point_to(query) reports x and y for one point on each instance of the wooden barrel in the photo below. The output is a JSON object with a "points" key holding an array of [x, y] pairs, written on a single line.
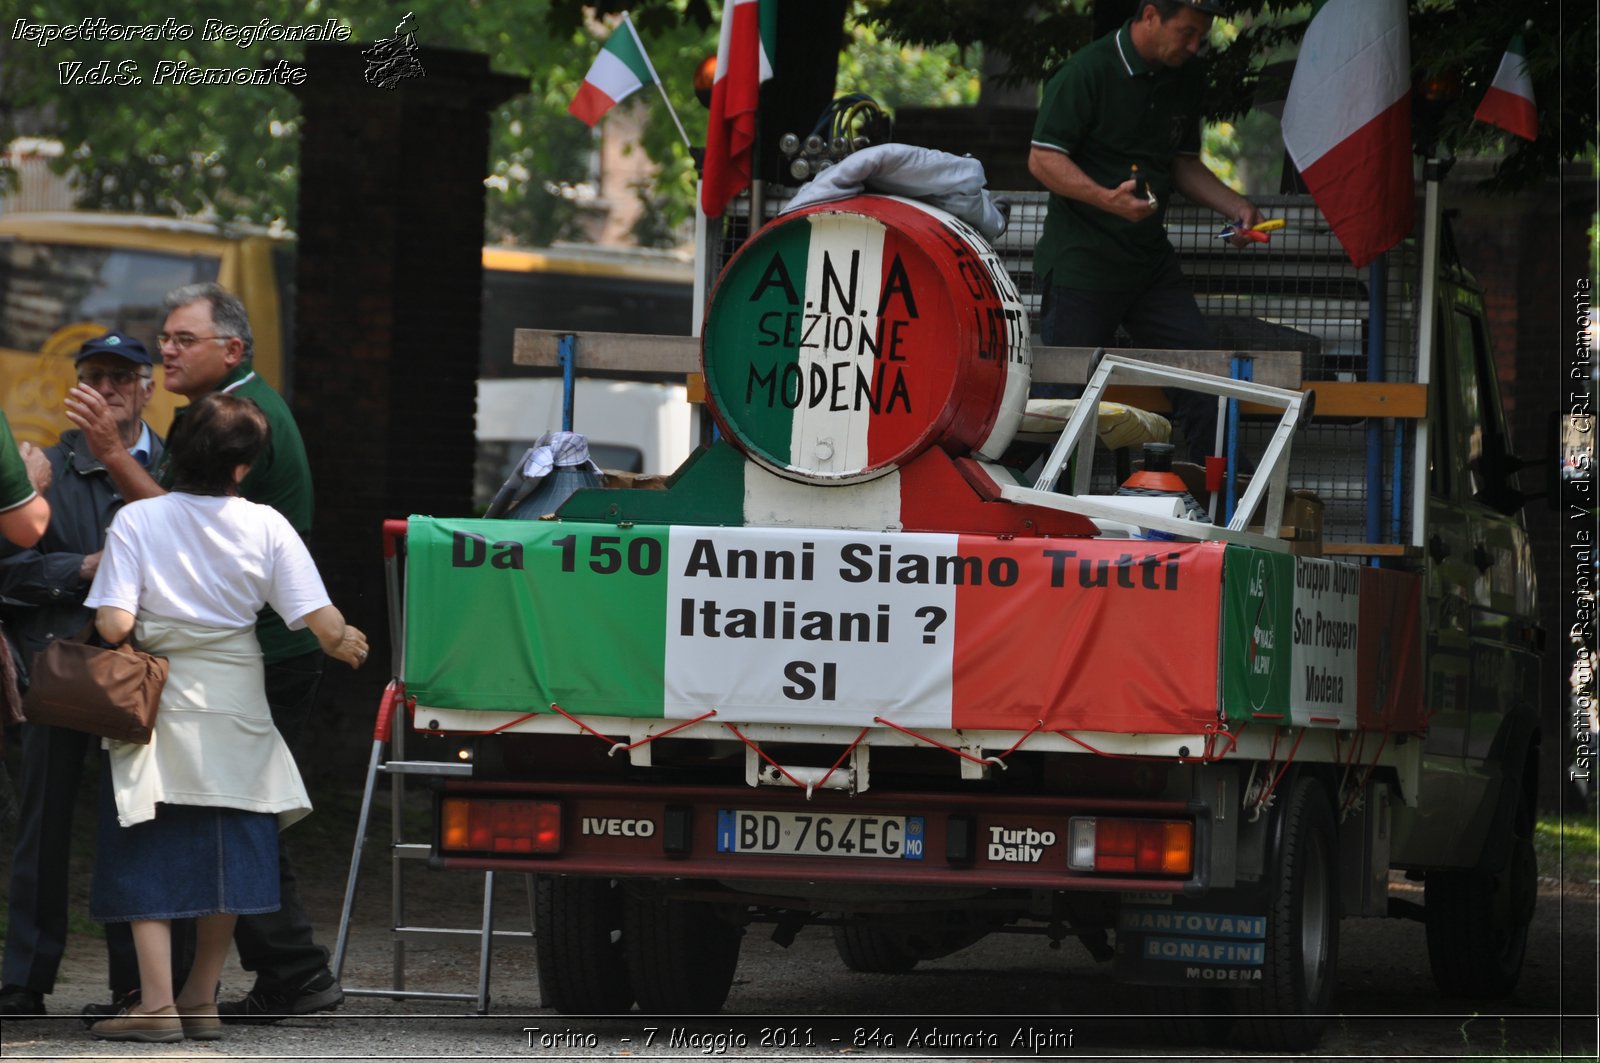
{"points": [[845, 339]]}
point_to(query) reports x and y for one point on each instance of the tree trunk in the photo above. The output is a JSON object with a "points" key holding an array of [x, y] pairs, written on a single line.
{"points": [[1109, 15], [804, 70]]}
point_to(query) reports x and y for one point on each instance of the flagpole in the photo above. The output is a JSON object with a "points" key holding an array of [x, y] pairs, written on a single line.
{"points": [[657, 79]]}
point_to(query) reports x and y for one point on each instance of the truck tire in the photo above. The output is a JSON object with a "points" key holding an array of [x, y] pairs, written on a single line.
{"points": [[1290, 1008], [1192, 1015], [869, 949], [681, 954], [1478, 920], [578, 945]]}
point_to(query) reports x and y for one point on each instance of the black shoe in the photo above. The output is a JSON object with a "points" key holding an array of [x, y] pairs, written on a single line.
{"points": [[93, 1013], [19, 1002], [321, 993]]}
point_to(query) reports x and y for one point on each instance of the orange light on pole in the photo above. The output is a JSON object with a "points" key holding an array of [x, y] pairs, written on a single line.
{"points": [[705, 75], [1442, 88]]}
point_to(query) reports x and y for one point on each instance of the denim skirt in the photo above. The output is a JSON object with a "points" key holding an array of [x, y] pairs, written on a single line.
{"points": [[190, 860]]}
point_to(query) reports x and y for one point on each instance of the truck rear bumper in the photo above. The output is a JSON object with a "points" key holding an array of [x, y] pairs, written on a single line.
{"points": [[988, 841]]}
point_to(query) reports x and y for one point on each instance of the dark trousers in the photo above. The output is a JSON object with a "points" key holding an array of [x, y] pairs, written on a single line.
{"points": [[1161, 316], [278, 946], [53, 760]]}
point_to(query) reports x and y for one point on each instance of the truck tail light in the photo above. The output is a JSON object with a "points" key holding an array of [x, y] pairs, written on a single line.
{"points": [[1143, 846], [494, 826]]}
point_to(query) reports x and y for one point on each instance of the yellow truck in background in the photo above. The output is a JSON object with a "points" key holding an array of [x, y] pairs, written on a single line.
{"points": [[67, 277]]}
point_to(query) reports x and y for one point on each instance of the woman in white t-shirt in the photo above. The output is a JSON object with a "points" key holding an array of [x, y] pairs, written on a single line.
{"points": [[194, 829]]}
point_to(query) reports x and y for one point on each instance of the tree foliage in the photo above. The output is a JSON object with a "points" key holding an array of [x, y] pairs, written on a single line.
{"points": [[1456, 46], [230, 152]]}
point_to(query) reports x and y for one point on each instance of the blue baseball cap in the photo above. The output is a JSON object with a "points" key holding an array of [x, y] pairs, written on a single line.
{"points": [[118, 343]]}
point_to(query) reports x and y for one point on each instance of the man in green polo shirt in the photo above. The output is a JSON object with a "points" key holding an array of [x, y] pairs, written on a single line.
{"points": [[24, 514], [1130, 99], [205, 347]]}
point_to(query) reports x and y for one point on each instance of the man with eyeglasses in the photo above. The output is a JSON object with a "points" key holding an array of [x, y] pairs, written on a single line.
{"points": [[205, 347], [44, 588], [1130, 99]]}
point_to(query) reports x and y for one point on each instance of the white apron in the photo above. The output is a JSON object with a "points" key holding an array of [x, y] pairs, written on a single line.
{"points": [[214, 741]]}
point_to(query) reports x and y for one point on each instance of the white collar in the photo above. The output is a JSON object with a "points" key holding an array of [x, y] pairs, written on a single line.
{"points": [[242, 380]]}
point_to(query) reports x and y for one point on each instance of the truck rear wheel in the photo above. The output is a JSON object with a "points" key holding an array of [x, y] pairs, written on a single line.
{"points": [[681, 955], [1192, 1015], [1291, 1006], [870, 949], [1478, 921], [578, 945]]}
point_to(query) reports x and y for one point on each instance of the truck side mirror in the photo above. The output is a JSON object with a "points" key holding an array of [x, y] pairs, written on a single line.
{"points": [[1497, 468]]}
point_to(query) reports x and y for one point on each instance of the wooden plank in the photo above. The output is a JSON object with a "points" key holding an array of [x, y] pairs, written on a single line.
{"points": [[614, 351], [1371, 549], [623, 352], [1336, 398], [1141, 396], [1070, 365]]}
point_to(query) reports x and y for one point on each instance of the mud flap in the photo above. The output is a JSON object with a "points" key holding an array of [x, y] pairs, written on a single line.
{"points": [[1176, 941]]}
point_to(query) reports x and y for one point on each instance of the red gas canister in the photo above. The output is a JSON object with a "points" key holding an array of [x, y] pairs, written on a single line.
{"points": [[1156, 479]]}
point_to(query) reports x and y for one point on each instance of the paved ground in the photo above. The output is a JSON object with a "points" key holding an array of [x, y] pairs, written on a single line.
{"points": [[805, 1004]]}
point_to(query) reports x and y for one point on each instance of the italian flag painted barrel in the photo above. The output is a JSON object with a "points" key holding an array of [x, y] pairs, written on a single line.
{"points": [[845, 339]]}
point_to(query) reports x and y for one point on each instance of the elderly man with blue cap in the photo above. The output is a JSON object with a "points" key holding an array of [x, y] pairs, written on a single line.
{"points": [[42, 589]]}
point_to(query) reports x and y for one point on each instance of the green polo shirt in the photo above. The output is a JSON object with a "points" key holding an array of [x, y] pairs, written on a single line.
{"points": [[15, 487], [1109, 111], [280, 478]]}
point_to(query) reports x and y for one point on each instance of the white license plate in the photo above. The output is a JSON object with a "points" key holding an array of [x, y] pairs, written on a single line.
{"points": [[820, 834]]}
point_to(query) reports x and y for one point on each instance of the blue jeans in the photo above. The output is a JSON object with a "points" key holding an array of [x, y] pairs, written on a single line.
{"points": [[1160, 316]]}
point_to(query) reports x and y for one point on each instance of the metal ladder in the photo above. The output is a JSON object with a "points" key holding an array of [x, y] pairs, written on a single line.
{"points": [[389, 732]]}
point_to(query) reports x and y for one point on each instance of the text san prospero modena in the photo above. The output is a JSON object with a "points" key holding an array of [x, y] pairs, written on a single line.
{"points": [[176, 71]]}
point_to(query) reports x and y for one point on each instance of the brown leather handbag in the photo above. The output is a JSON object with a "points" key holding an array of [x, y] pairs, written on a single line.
{"points": [[111, 693]]}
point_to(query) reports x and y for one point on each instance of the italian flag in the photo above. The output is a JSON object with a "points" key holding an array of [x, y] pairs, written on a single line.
{"points": [[744, 61], [618, 71], [1347, 122], [1509, 103]]}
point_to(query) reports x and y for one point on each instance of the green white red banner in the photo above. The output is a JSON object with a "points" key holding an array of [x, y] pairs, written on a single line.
{"points": [[919, 630], [813, 626]]}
